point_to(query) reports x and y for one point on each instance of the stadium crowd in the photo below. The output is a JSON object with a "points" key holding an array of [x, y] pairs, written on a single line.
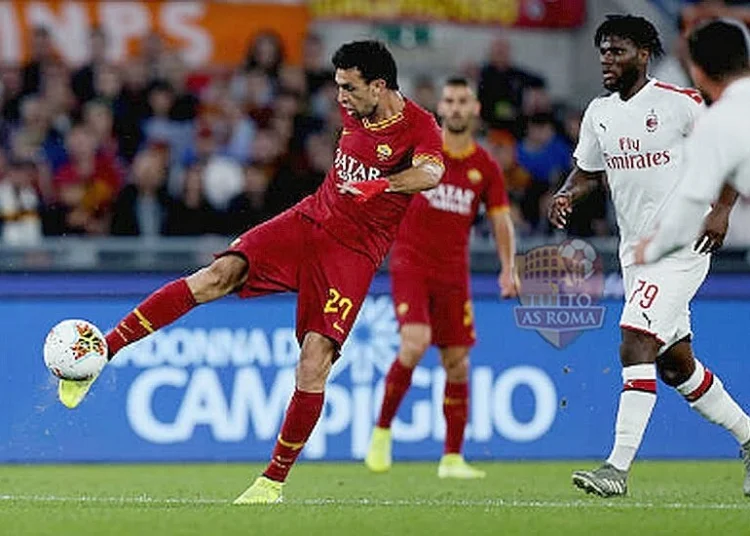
{"points": [[150, 148]]}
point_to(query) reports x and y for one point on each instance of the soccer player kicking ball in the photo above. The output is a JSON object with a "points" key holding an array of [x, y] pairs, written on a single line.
{"points": [[636, 137], [326, 248], [430, 274]]}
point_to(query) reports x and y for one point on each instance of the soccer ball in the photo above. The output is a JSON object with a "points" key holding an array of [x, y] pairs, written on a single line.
{"points": [[579, 258], [75, 350]]}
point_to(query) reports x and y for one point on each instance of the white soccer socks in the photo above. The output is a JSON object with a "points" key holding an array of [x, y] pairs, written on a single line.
{"points": [[636, 404]]}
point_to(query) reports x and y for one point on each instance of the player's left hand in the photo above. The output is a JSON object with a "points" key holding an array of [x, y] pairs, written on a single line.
{"points": [[714, 230], [509, 284], [363, 191]]}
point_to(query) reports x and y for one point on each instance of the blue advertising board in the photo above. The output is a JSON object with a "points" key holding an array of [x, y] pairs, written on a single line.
{"points": [[214, 386]]}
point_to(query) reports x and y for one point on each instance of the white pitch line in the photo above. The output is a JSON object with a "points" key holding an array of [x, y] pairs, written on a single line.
{"points": [[488, 503]]}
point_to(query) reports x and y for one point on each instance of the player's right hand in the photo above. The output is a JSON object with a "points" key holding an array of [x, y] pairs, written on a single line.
{"points": [[560, 209], [364, 190]]}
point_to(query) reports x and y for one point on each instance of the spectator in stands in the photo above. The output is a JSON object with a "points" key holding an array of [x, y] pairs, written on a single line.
{"points": [[35, 138], [190, 214], [571, 125], [60, 101], [267, 151], [546, 156], [20, 203], [41, 55], [141, 208], [503, 147], [97, 116], [107, 83], [173, 70], [248, 208], [239, 129], [10, 94], [203, 148], [85, 187], [82, 81], [293, 183], [292, 79], [266, 53], [131, 107], [316, 65], [160, 125], [152, 50], [502, 86]]}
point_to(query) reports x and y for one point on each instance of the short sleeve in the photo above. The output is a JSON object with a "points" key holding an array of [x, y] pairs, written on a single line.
{"points": [[428, 145], [588, 153], [694, 108]]}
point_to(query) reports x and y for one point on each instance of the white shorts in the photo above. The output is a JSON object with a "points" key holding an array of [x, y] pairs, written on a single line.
{"points": [[657, 297]]}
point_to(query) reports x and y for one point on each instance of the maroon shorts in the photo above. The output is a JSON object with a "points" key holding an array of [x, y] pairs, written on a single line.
{"points": [[445, 307], [292, 253]]}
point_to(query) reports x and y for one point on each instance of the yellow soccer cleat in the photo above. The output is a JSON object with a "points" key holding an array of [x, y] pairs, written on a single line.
{"points": [[378, 459], [71, 392], [263, 491], [454, 466]]}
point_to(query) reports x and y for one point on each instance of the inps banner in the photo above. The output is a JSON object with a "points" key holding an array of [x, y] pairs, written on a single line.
{"points": [[215, 385]]}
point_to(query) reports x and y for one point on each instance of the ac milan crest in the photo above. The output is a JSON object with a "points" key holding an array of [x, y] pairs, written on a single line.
{"points": [[652, 122]]}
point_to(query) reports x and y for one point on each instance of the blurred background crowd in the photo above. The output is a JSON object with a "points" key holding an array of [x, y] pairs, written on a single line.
{"points": [[151, 147]]}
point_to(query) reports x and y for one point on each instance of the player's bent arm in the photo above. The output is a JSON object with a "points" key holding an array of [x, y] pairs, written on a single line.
{"points": [[581, 183], [424, 175]]}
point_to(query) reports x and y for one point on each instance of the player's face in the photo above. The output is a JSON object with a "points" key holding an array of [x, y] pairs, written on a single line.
{"points": [[457, 108], [358, 97], [622, 63]]}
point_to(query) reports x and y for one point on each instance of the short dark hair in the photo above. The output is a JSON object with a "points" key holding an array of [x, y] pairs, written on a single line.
{"points": [[458, 80], [637, 29], [371, 58], [720, 48]]}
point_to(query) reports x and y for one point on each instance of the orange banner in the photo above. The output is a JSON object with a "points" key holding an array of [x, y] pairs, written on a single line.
{"points": [[206, 33]]}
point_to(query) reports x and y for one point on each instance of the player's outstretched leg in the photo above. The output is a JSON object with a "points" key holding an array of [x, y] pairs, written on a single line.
{"points": [[705, 393], [455, 361], [415, 339], [638, 355], [301, 416], [161, 308]]}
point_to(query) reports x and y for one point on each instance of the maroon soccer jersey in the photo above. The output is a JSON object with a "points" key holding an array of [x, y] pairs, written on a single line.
{"points": [[434, 235], [369, 151]]}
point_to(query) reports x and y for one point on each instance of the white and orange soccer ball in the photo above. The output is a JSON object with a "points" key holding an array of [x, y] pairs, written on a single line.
{"points": [[75, 350]]}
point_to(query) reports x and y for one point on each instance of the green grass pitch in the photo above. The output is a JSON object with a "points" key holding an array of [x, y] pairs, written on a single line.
{"points": [[344, 499]]}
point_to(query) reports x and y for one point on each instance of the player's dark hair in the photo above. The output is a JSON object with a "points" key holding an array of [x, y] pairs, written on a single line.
{"points": [[720, 48], [637, 29], [371, 58], [461, 81]]}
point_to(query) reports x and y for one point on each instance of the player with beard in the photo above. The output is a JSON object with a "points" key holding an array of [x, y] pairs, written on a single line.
{"points": [[326, 248], [635, 137], [430, 273]]}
